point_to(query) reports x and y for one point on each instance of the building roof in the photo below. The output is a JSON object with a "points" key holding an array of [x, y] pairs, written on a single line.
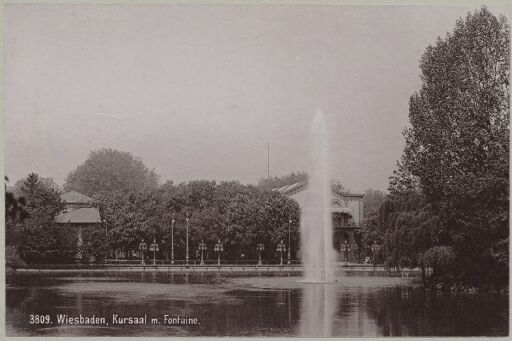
{"points": [[291, 189], [73, 197], [299, 186], [85, 215]]}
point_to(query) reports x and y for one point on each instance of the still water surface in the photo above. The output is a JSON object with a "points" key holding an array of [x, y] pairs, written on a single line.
{"points": [[358, 304]]}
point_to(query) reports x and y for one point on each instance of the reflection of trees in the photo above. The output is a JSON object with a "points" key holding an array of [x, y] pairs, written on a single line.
{"points": [[261, 312], [412, 311]]}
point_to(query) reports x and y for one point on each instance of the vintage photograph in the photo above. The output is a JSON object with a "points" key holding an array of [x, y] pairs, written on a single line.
{"points": [[256, 170]]}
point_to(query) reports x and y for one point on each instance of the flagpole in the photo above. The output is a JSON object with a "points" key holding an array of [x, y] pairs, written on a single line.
{"points": [[268, 160]]}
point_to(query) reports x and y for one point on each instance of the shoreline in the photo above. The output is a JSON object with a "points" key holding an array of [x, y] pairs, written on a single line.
{"points": [[208, 268]]}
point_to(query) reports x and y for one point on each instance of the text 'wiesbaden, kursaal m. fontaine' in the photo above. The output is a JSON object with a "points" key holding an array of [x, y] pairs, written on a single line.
{"points": [[116, 319]]}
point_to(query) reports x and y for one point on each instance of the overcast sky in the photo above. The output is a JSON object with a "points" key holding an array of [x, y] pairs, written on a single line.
{"points": [[198, 91]]}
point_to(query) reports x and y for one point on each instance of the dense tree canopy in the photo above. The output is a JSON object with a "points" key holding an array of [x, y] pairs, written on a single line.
{"points": [[14, 205], [457, 148], [108, 170], [372, 200], [36, 237], [405, 227], [239, 216], [49, 183], [459, 135]]}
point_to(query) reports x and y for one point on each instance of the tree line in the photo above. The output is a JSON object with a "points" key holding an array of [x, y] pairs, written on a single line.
{"points": [[134, 206], [239, 216]]}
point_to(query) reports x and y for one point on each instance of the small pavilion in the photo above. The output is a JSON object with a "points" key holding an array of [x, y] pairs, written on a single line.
{"points": [[78, 214]]}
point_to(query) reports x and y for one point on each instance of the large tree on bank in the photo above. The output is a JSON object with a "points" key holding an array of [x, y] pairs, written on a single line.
{"points": [[108, 170], [457, 147], [36, 238]]}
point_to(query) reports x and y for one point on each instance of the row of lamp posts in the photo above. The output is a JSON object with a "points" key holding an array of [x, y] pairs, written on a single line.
{"points": [[220, 248], [217, 248], [143, 246]]}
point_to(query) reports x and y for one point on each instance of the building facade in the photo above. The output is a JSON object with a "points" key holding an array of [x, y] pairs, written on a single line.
{"points": [[347, 218]]}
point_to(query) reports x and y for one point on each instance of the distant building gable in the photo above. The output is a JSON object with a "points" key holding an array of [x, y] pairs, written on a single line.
{"points": [[344, 203], [74, 197], [77, 210], [290, 190]]}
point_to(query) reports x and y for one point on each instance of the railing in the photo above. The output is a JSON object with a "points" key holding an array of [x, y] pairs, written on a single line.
{"points": [[352, 225], [296, 267], [62, 266], [197, 262], [159, 263]]}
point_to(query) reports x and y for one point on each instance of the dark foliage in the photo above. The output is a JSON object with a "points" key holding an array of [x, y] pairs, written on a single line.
{"points": [[109, 170], [456, 158]]}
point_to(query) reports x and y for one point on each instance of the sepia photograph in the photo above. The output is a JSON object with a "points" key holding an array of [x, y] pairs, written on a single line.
{"points": [[256, 170]]}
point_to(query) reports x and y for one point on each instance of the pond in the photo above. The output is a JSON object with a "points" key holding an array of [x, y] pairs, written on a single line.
{"points": [[215, 304]]}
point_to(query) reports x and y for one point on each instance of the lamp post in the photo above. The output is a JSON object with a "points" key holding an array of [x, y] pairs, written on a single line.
{"points": [[186, 256], [106, 239], [375, 248], [202, 247], [164, 249], [154, 247], [172, 239], [281, 248], [289, 240], [346, 249], [218, 248], [142, 248], [260, 247]]}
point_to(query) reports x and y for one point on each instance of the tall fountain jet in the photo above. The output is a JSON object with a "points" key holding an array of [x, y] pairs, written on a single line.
{"points": [[316, 224]]}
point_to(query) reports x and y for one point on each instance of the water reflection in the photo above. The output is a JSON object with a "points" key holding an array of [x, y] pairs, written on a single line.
{"points": [[255, 305], [317, 309], [406, 311]]}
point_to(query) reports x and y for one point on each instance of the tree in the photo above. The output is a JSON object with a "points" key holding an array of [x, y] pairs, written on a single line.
{"points": [[261, 217], [405, 227], [94, 244], [457, 148], [372, 199], [14, 213], [14, 206], [111, 170], [37, 238], [239, 216], [46, 182], [439, 258], [125, 217]]}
